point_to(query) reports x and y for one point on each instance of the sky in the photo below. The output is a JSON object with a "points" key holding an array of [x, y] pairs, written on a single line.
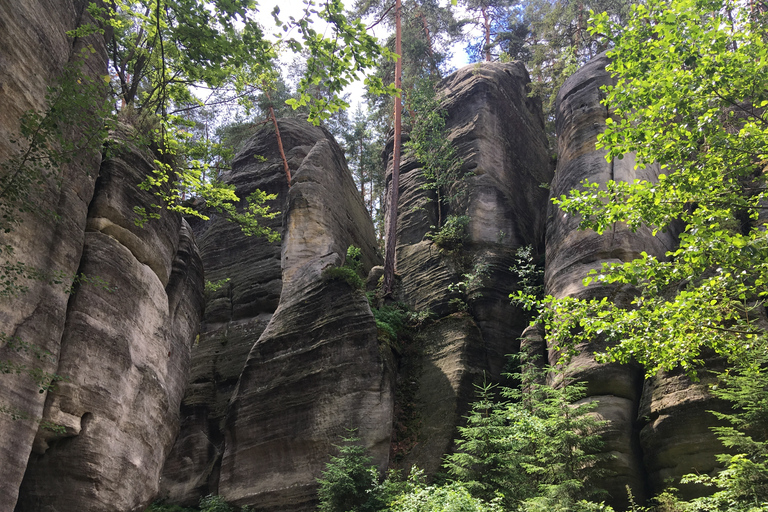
{"points": [[295, 8]]}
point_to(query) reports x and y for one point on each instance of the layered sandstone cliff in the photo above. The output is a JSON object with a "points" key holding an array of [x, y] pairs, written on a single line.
{"points": [[659, 428], [35, 52], [498, 133], [288, 358], [125, 353], [119, 337]]}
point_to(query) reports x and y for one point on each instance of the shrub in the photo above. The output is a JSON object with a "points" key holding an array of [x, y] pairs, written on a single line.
{"points": [[452, 235], [351, 272], [349, 481], [535, 448]]}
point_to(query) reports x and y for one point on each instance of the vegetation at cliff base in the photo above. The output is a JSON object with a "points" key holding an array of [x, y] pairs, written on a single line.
{"points": [[526, 448], [690, 96]]}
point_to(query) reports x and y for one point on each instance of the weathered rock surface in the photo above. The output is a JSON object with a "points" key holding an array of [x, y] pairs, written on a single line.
{"points": [[451, 362], [644, 440], [571, 254], [35, 50], [260, 432], [498, 132], [247, 271], [317, 369], [675, 436], [125, 353]]}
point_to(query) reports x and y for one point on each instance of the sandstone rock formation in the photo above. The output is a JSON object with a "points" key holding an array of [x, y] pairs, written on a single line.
{"points": [[35, 51], [288, 356], [125, 353], [648, 421], [247, 272], [314, 366], [498, 132]]}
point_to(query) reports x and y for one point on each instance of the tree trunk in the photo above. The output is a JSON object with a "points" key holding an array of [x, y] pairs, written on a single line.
{"points": [[487, 26], [280, 143], [360, 170], [391, 223]]}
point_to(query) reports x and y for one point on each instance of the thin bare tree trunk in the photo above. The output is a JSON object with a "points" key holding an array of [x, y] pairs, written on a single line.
{"points": [[360, 167], [487, 25], [391, 241], [280, 144]]}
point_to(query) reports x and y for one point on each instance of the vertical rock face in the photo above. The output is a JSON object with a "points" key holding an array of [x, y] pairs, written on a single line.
{"points": [[675, 434], [644, 424], [314, 366], [125, 353], [247, 272], [35, 50], [498, 132], [317, 369], [571, 254]]}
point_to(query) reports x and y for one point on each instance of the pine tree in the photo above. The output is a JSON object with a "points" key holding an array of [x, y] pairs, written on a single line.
{"points": [[536, 447], [349, 480]]}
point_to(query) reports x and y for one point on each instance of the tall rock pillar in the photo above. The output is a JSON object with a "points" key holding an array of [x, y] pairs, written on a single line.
{"points": [[48, 237], [125, 353], [646, 434], [498, 133]]}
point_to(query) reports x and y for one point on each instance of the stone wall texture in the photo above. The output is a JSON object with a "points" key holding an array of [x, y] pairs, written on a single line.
{"points": [[288, 359], [125, 353], [35, 51], [498, 133], [120, 337], [659, 427]]}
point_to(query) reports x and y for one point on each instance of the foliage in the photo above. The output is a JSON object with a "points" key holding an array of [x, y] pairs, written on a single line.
{"points": [[742, 484], [349, 481], [536, 448], [490, 16], [45, 381], [47, 142], [428, 30], [550, 36], [351, 272], [440, 165], [162, 507], [560, 42], [209, 503], [214, 286], [335, 60], [530, 281], [451, 235], [345, 274], [354, 260], [160, 49], [690, 96], [363, 140], [391, 320], [468, 286], [63, 136], [451, 497]]}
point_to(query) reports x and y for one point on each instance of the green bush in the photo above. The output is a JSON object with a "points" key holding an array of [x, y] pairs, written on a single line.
{"points": [[351, 272], [214, 286], [453, 497], [349, 481], [345, 274], [533, 447], [210, 503], [391, 320], [451, 235], [161, 507]]}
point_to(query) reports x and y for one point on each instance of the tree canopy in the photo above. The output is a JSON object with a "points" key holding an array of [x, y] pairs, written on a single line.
{"points": [[691, 95]]}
